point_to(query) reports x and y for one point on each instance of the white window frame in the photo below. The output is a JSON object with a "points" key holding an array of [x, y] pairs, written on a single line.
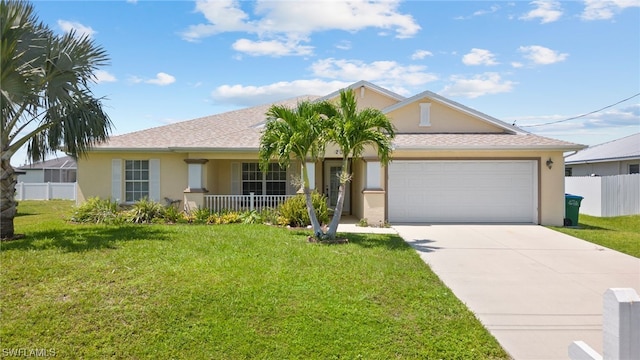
{"points": [[142, 179], [262, 178]]}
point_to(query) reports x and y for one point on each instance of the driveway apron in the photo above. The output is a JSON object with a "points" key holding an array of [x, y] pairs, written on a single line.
{"points": [[536, 290]]}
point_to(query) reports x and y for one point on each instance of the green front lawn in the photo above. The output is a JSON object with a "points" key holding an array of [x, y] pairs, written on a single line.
{"points": [[223, 291], [621, 233]]}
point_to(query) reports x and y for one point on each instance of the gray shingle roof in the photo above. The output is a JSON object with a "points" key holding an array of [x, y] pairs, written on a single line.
{"points": [[241, 129], [621, 149], [501, 141], [64, 162]]}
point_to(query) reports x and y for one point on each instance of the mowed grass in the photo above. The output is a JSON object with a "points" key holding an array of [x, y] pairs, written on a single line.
{"points": [[224, 292], [621, 233]]}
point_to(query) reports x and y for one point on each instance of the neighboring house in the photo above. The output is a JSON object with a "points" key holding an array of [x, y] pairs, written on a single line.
{"points": [[617, 157], [59, 170], [450, 164]]}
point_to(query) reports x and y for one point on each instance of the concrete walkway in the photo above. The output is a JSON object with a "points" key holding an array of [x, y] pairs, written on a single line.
{"points": [[536, 290]]}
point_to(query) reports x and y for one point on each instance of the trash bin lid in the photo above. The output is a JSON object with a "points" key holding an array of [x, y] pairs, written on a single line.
{"points": [[571, 196]]}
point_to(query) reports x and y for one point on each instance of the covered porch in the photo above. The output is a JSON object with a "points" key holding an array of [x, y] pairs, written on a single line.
{"points": [[239, 185]]}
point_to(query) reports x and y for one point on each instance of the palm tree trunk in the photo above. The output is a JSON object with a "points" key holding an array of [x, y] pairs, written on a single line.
{"points": [[8, 204], [337, 213], [317, 230]]}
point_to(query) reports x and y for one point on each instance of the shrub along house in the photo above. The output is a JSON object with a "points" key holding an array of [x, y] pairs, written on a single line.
{"points": [[450, 164]]}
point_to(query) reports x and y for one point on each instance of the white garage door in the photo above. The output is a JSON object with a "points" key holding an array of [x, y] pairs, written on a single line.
{"points": [[463, 191]]}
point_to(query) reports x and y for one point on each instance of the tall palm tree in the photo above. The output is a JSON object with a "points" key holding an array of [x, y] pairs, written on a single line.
{"points": [[352, 130], [295, 131], [45, 100]]}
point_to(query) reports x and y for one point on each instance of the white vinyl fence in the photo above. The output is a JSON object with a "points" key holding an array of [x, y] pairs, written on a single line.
{"points": [[620, 328], [615, 195], [45, 191]]}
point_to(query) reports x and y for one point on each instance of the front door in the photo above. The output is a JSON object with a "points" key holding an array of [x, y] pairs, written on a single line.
{"points": [[332, 169]]}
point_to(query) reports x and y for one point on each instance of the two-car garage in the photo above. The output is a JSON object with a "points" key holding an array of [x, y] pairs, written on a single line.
{"points": [[497, 191]]}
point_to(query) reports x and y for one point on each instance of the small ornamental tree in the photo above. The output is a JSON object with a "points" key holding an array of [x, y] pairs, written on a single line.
{"points": [[352, 130], [295, 132]]}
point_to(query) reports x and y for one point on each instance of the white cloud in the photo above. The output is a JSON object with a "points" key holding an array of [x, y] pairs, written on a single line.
{"points": [[300, 18], [477, 85], [251, 95], [421, 54], [541, 55], [329, 75], [344, 45], [605, 9], [271, 48], [516, 64], [546, 10], [104, 76], [68, 26], [624, 120], [491, 10], [132, 1], [388, 74], [479, 57], [162, 79]]}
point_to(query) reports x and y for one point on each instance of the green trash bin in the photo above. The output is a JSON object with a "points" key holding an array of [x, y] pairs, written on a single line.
{"points": [[571, 209]]}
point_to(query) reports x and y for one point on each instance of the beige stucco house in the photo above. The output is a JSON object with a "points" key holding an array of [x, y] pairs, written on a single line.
{"points": [[450, 164]]}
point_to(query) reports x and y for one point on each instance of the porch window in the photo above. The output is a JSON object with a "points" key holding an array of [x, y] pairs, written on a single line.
{"points": [[634, 168], [136, 180], [274, 182]]}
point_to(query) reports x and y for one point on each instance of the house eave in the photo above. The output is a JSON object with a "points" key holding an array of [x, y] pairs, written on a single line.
{"points": [[214, 150], [176, 149], [485, 148], [129, 149], [593, 161]]}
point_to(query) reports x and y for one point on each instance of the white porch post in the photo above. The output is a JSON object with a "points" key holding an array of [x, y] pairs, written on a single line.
{"points": [[373, 194], [311, 171], [196, 174], [194, 193], [373, 175]]}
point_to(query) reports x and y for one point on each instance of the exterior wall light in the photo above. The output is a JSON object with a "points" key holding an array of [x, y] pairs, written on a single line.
{"points": [[549, 163]]}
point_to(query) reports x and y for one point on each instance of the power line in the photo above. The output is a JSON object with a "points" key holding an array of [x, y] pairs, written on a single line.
{"points": [[583, 115]]}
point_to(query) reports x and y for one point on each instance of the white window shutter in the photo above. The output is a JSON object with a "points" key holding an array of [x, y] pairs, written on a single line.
{"points": [[154, 179], [116, 180], [425, 114], [236, 188]]}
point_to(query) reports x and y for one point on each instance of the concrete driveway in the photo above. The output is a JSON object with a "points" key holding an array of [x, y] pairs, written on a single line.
{"points": [[536, 290]]}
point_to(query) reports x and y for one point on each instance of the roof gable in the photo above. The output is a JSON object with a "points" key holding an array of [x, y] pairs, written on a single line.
{"points": [[369, 95], [498, 125]]}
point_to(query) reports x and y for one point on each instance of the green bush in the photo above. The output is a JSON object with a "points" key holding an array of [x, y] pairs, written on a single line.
{"points": [[269, 216], [230, 217], [97, 211], [294, 210], [171, 214], [144, 211], [199, 216], [251, 217]]}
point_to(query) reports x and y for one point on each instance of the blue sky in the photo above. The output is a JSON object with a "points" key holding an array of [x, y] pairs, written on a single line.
{"points": [[529, 62]]}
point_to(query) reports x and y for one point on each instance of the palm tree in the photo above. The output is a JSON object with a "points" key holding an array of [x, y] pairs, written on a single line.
{"points": [[45, 100], [352, 130], [295, 131]]}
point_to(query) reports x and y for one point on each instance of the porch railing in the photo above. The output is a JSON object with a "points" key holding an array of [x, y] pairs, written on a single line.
{"points": [[218, 203]]}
